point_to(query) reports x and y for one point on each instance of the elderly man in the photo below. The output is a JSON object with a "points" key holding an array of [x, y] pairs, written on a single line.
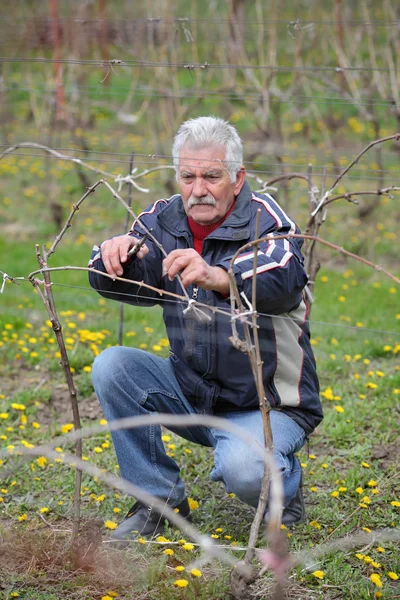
{"points": [[200, 230]]}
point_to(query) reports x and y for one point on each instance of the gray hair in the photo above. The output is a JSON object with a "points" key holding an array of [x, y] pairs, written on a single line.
{"points": [[210, 131]]}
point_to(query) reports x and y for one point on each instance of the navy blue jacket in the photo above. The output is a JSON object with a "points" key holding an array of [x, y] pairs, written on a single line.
{"points": [[213, 375]]}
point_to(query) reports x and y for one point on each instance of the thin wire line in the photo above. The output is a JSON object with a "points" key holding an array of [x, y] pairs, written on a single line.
{"points": [[296, 151], [253, 171], [194, 94], [228, 310], [208, 20], [170, 157], [190, 66]]}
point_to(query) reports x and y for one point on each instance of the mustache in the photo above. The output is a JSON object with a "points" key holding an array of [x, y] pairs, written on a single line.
{"points": [[208, 200]]}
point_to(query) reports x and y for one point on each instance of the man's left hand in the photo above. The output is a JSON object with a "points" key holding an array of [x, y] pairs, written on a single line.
{"points": [[193, 269]]}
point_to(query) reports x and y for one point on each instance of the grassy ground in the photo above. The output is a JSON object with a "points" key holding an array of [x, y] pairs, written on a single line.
{"points": [[351, 470], [351, 467]]}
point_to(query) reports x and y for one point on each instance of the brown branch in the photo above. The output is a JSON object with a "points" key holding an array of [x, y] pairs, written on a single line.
{"points": [[121, 304], [56, 154], [321, 241], [244, 574], [287, 176], [75, 208], [213, 309], [348, 196], [131, 489], [48, 301], [131, 178], [150, 235], [396, 137]]}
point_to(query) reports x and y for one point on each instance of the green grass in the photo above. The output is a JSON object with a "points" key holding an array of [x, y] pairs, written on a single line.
{"points": [[351, 356], [355, 323]]}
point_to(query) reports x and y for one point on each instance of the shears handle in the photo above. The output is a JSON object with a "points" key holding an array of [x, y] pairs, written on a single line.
{"points": [[135, 249]]}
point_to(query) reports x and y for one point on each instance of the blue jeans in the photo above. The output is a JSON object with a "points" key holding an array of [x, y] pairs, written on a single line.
{"points": [[131, 382]]}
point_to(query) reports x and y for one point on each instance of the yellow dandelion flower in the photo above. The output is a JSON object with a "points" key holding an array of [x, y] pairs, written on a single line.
{"points": [[181, 583], [319, 574], [335, 494], [67, 427], [376, 579], [339, 409], [110, 524], [393, 575], [193, 504], [168, 552], [187, 546], [395, 503], [44, 509], [180, 568], [365, 465], [22, 517], [380, 549], [196, 573], [371, 385]]}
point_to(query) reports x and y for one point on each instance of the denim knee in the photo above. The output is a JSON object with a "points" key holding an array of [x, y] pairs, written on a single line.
{"points": [[107, 366], [241, 475]]}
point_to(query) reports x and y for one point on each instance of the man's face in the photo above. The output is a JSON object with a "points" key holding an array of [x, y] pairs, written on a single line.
{"points": [[205, 184]]}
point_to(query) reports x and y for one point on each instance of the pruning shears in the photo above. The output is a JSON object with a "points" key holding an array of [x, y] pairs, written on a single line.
{"points": [[135, 249]]}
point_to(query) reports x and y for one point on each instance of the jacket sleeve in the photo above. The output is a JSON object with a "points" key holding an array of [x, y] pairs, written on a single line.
{"points": [[147, 270], [280, 264]]}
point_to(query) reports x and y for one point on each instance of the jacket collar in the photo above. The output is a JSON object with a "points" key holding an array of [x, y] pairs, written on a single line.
{"points": [[174, 219]]}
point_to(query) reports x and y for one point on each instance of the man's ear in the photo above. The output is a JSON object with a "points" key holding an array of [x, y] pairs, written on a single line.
{"points": [[240, 177]]}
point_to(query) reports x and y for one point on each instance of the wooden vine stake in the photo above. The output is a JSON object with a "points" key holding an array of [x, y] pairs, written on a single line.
{"points": [[47, 298], [244, 574]]}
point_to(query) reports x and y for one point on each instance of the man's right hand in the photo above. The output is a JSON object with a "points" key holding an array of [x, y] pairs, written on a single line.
{"points": [[114, 253]]}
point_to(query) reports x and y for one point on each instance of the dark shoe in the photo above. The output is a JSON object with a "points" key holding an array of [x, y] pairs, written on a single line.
{"points": [[295, 512], [145, 521]]}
